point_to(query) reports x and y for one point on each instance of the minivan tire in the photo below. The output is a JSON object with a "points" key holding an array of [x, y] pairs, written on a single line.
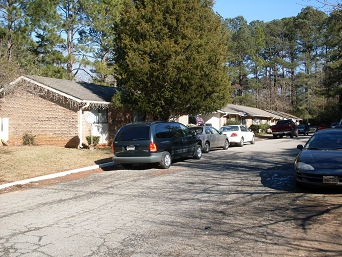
{"points": [[198, 152], [166, 160]]}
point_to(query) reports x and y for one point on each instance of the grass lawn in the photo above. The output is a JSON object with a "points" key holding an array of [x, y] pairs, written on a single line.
{"points": [[23, 162]]}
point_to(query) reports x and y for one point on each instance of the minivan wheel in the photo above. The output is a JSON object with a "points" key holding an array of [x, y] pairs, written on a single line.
{"points": [[127, 166], [206, 147], [198, 152], [166, 160]]}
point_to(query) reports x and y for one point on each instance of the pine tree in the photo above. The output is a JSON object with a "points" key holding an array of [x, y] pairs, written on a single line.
{"points": [[170, 57]]}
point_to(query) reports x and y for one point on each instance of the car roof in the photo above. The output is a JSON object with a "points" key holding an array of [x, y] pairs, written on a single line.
{"points": [[148, 123], [330, 131]]}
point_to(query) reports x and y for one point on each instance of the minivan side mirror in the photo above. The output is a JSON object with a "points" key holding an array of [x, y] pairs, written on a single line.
{"points": [[300, 147]]}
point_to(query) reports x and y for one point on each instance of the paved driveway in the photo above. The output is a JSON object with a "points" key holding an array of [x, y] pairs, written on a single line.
{"points": [[238, 202]]}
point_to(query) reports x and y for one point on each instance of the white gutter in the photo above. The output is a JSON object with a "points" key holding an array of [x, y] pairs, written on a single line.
{"points": [[80, 118]]}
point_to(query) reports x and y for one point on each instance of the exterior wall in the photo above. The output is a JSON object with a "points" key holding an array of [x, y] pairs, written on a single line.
{"points": [[3, 129], [52, 123], [233, 117], [116, 119], [214, 119], [95, 129], [248, 121], [183, 119]]}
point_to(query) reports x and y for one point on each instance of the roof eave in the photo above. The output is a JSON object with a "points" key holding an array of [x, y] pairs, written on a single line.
{"points": [[49, 88]]}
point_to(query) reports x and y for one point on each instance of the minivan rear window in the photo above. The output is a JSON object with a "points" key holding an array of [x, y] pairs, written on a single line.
{"points": [[132, 133]]}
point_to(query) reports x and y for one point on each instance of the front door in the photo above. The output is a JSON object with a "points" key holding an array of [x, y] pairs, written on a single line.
{"points": [[100, 126]]}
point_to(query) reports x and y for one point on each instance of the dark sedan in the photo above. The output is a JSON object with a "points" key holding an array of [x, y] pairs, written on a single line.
{"points": [[319, 162]]}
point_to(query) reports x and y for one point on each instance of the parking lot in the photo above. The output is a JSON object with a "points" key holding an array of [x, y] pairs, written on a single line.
{"points": [[236, 202]]}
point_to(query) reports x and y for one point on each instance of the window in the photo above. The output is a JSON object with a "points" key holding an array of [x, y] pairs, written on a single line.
{"points": [[133, 133], [185, 130], [101, 115], [163, 131], [207, 130], [214, 131], [243, 128]]}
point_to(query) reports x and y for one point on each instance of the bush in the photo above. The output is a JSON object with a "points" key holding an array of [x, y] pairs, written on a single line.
{"points": [[28, 139], [262, 128], [96, 140], [233, 122]]}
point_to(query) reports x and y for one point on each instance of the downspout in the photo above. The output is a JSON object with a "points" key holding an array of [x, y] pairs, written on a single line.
{"points": [[80, 123]]}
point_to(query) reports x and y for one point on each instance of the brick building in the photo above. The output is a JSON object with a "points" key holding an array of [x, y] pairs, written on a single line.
{"points": [[58, 112]]}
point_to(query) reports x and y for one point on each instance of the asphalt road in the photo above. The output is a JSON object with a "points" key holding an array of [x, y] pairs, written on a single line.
{"points": [[238, 202]]}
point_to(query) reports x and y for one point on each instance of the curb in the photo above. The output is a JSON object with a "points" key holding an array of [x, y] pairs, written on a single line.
{"points": [[56, 175]]}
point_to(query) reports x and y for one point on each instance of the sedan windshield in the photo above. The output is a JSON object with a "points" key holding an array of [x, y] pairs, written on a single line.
{"points": [[325, 141]]}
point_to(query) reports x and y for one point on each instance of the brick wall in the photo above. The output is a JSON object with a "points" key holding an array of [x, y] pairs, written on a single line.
{"points": [[116, 119], [52, 122]]}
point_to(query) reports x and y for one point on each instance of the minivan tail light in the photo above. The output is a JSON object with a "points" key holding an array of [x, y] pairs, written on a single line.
{"points": [[233, 135], [153, 147]]}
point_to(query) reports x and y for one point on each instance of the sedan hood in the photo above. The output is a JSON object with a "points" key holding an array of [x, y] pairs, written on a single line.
{"points": [[322, 159]]}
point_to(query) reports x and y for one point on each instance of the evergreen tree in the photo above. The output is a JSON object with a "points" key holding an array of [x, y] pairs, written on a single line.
{"points": [[310, 24], [15, 40], [99, 36], [57, 25], [170, 57], [239, 45], [333, 68]]}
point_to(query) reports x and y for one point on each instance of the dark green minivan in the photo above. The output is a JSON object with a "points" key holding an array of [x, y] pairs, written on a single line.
{"points": [[154, 142]]}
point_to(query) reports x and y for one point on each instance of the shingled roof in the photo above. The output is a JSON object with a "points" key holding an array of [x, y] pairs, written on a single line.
{"points": [[80, 92], [247, 111]]}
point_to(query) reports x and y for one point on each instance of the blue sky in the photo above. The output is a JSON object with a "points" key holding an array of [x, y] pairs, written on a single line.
{"points": [[264, 10]]}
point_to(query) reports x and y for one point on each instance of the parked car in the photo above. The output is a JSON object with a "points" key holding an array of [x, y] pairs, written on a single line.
{"points": [[154, 142], [303, 129], [322, 126], [319, 162], [211, 138], [238, 134], [313, 129], [334, 124], [284, 128]]}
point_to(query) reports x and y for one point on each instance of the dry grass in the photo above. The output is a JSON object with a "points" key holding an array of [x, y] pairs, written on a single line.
{"points": [[23, 162]]}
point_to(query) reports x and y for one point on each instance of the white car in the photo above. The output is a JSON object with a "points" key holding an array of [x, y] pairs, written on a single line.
{"points": [[238, 134]]}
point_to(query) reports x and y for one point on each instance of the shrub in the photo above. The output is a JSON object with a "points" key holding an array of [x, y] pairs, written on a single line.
{"points": [[28, 139], [233, 122], [255, 128], [262, 128], [96, 140]]}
